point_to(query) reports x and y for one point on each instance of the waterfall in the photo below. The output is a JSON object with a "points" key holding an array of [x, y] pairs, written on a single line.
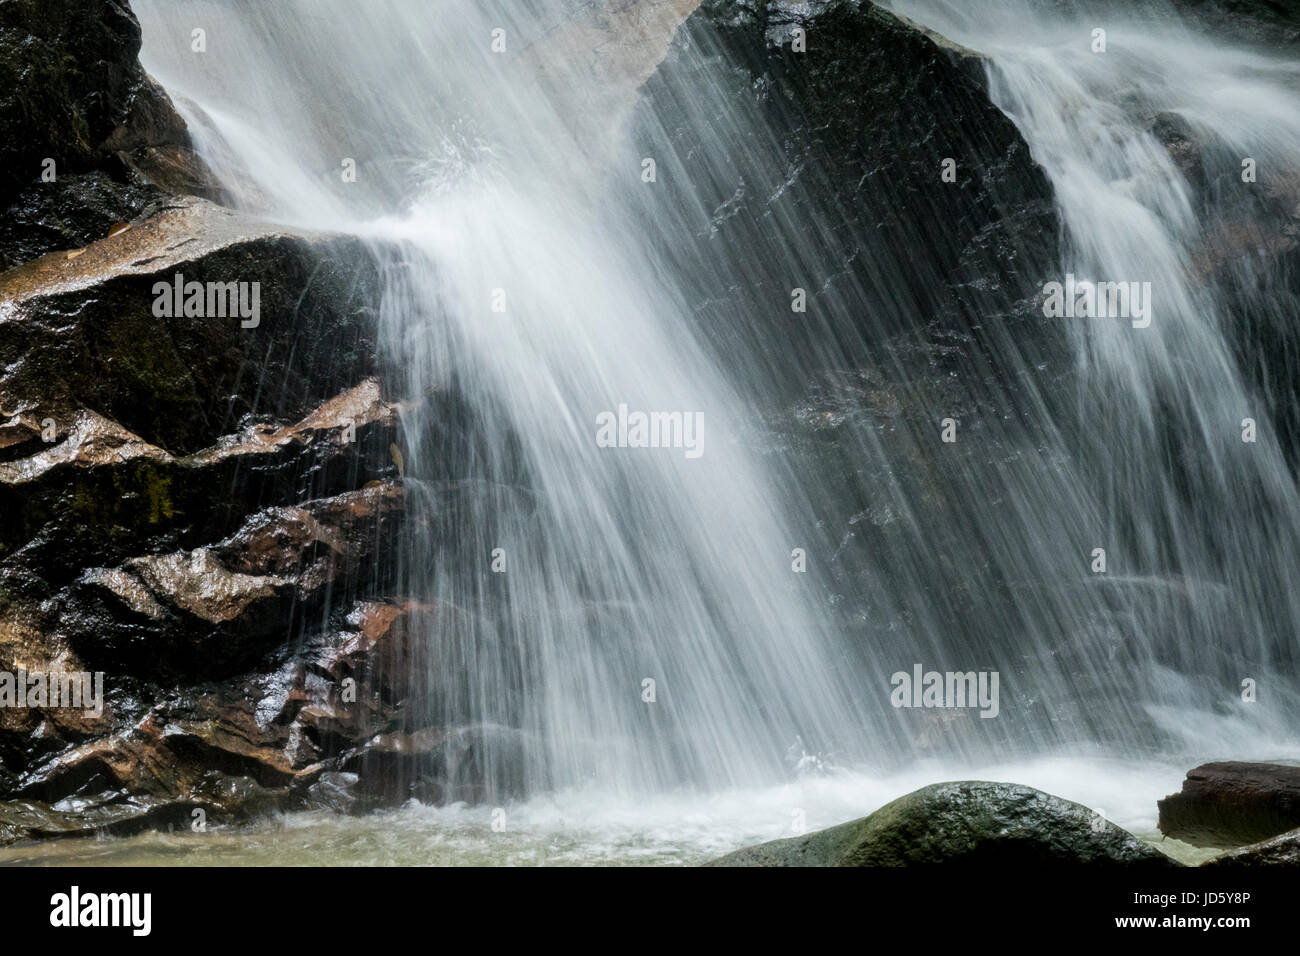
{"points": [[1204, 526], [636, 616], [631, 610]]}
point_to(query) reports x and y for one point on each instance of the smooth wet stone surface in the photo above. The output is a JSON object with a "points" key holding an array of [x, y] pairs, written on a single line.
{"points": [[972, 823]]}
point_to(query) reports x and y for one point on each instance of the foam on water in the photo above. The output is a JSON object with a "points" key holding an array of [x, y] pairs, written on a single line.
{"points": [[603, 828]]}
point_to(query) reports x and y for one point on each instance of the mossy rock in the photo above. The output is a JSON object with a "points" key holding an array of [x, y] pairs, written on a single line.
{"points": [[972, 823]]}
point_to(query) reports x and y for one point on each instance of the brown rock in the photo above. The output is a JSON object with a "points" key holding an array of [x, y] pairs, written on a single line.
{"points": [[80, 333], [386, 651], [90, 440], [101, 489], [1232, 804], [217, 608]]}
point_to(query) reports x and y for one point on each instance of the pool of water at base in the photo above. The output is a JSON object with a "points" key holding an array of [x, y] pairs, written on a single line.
{"points": [[593, 828]]}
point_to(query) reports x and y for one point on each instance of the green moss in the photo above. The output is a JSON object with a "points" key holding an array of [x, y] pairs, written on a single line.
{"points": [[971, 822], [158, 485], [140, 494]]}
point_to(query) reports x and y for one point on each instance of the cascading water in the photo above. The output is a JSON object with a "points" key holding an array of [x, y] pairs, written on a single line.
{"points": [[1207, 525], [515, 284], [532, 286]]}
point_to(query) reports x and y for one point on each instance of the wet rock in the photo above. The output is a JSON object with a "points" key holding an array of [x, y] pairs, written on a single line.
{"points": [[205, 507], [73, 86], [218, 608], [233, 750], [1271, 23], [75, 210], [440, 765], [970, 823], [175, 735], [155, 774], [29, 735], [73, 93], [338, 792], [111, 815], [1181, 142], [1250, 252], [1232, 804], [1281, 850], [383, 648], [91, 441], [605, 54], [110, 491], [80, 331], [824, 150], [1248, 243], [1263, 23], [198, 554], [75, 500], [843, 142], [368, 677]]}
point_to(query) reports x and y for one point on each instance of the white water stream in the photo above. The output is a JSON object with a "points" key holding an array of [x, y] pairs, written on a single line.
{"points": [[480, 183]]}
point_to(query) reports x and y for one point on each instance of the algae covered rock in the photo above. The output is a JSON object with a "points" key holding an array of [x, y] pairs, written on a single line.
{"points": [[973, 822]]}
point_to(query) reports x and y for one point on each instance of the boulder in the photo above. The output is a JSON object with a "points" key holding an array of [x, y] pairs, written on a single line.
{"points": [[1231, 804], [842, 139], [967, 823], [814, 160]]}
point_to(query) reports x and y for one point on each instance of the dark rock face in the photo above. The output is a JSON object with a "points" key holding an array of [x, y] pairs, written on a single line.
{"points": [[1248, 247], [826, 153], [1232, 804], [817, 138], [73, 81], [209, 514], [1273, 23], [125, 427], [971, 823], [1263, 23], [204, 505], [67, 213], [72, 92], [181, 382], [1281, 850], [219, 608]]}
